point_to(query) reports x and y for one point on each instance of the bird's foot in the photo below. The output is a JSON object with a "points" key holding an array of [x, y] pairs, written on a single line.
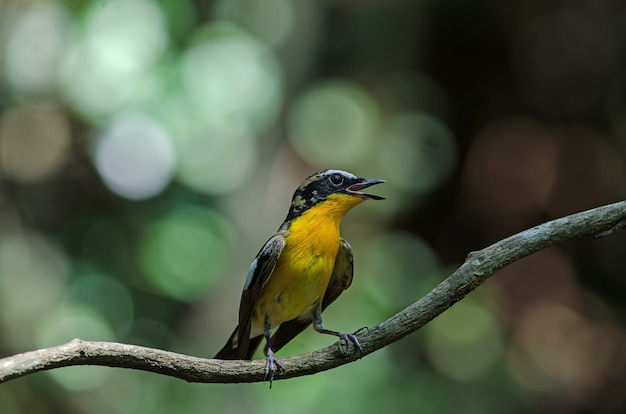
{"points": [[347, 338], [272, 365]]}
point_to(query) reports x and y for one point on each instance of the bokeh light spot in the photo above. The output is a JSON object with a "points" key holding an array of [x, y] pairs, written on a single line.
{"points": [[34, 143], [128, 34], [418, 153], [110, 67], [399, 268], [217, 158], [35, 47], [465, 341], [334, 123], [233, 76], [140, 395], [69, 322], [135, 157], [33, 273], [107, 296], [186, 250], [556, 348], [513, 162]]}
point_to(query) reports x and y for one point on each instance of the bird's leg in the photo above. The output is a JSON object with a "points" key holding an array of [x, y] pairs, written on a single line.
{"points": [[318, 325], [271, 363]]}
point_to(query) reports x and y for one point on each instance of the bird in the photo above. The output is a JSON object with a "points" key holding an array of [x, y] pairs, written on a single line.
{"points": [[300, 270]]}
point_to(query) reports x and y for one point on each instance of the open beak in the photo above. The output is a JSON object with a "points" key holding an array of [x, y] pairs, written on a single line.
{"points": [[364, 183]]}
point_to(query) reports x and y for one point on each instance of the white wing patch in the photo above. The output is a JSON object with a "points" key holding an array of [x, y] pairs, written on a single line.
{"points": [[250, 274]]}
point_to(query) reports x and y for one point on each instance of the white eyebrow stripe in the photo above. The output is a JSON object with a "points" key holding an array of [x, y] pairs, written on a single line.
{"points": [[344, 173]]}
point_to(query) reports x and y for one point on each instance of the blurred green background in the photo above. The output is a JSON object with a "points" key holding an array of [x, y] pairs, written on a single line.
{"points": [[149, 147]]}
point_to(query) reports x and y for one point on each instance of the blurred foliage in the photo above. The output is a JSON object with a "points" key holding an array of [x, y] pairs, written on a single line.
{"points": [[149, 147]]}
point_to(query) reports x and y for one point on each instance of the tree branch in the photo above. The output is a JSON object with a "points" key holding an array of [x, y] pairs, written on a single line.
{"points": [[478, 267]]}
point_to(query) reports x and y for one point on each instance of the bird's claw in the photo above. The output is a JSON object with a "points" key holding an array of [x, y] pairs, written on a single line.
{"points": [[271, 366], [347, 338]]}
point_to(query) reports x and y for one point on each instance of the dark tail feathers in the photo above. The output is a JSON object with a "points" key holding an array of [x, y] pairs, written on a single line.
{"points": [[232, 351]]}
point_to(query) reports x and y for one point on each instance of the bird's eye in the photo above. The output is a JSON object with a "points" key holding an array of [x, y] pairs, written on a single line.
{"points": [[336, 179]]}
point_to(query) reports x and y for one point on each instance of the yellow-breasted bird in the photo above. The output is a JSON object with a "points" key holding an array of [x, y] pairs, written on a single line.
{"points": [[300, 270]]}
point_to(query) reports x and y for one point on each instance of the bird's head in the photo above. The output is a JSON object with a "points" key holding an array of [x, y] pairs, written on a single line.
{"points": [[339, 187]]}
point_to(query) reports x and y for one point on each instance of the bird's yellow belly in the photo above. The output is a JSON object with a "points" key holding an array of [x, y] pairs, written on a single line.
{"points": [[292, 291]]}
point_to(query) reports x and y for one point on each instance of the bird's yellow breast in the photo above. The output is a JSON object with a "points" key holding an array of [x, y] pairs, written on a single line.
{"points": [[305, 266]]}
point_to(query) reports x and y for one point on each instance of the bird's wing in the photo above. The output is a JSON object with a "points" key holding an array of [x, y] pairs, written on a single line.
{"points": [[340, 280], [260, 270]]}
